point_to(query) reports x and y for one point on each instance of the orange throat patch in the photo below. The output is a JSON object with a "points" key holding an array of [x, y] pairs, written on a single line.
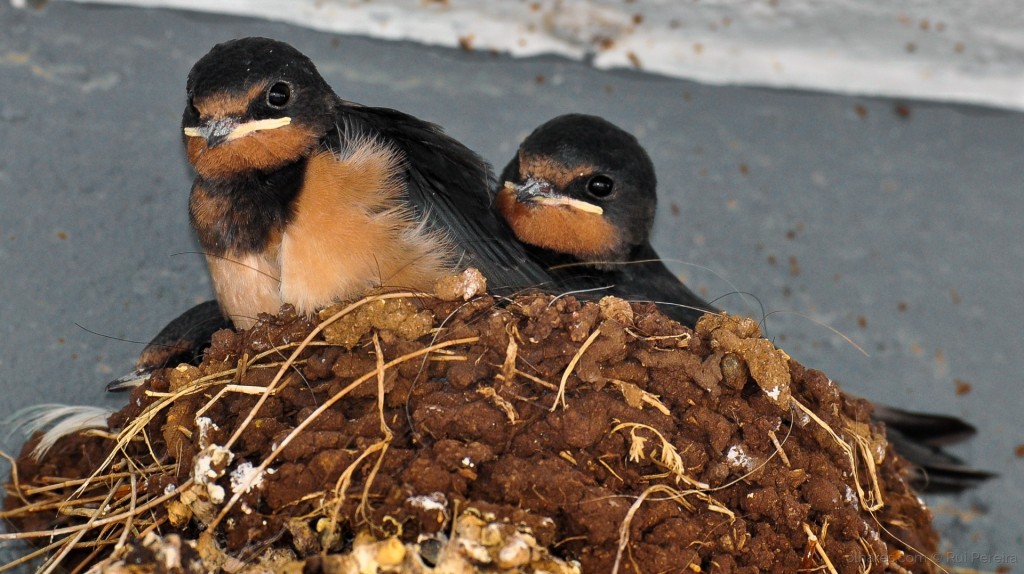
{"points": [[563, 229], [260, 151]]}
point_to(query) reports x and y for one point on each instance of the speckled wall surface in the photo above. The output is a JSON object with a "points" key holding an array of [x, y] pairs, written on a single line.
{"points": [[965, 52], [896, 223]]}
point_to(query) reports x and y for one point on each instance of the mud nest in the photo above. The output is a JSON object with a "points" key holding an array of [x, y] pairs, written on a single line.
{"points": [[416, 433]]}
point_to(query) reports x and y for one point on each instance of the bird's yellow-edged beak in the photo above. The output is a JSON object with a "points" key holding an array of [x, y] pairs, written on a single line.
{"points": [[542, 193], [220, 131]]}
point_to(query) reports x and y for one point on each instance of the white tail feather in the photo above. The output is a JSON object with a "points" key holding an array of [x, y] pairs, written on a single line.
{"points": [[63, 420]]}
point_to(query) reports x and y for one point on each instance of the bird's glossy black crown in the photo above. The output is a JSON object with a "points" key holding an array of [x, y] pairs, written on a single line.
{"points": [[293, 86]]}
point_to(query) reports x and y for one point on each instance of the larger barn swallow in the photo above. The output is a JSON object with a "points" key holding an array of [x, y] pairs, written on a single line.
{"points": [[302, 197], [582, 192]]}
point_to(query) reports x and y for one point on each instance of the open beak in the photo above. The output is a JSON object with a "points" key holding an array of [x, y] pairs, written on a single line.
{"points": [[543, 193], [216, 132]]}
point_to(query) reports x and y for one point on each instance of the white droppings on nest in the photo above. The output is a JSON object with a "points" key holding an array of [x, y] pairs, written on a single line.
{"points": [[616, 309], [435, 501], [878, 451], [849, 495], [215, 492], [473, 283], [738, 458], [245, 477], [774, 393], [208, 466], [205, 425]]}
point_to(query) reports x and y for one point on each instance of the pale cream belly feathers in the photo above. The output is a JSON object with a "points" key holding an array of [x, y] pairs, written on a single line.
{"points": [[347, 235]]}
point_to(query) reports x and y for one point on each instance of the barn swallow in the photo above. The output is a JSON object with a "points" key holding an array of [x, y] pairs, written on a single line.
{"points": [[582, 193], [302, 197]]}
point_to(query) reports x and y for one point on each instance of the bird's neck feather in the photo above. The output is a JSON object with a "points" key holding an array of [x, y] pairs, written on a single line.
{"points": [[244, 213]]}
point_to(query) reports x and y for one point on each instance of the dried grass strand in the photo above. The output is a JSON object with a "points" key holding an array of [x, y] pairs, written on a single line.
{"points": [[851, 455], [560, 396], [819, 546], [101, 522]]}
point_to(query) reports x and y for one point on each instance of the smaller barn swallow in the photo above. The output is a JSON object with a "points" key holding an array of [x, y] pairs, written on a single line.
{"points": [[582, 193]]}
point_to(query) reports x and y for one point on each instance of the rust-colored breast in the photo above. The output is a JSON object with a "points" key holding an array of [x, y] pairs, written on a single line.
{"points": [[587, 236], [257, 151], [351, 233]]}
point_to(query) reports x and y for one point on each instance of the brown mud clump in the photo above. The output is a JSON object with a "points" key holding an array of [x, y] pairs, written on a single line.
{"points": [[412, 433]]}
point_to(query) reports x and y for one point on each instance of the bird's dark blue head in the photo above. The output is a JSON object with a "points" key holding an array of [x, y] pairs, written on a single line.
{"points": [[242, 63], [253, 104], [582, 186]]}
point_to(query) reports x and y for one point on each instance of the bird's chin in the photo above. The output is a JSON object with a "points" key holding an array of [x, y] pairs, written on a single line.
{"points": [[255, 150], [588, 236]]}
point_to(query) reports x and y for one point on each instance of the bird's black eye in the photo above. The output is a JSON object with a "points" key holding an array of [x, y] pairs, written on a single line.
{"points": [[191, 103], [278, 95], [600, 186]]}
